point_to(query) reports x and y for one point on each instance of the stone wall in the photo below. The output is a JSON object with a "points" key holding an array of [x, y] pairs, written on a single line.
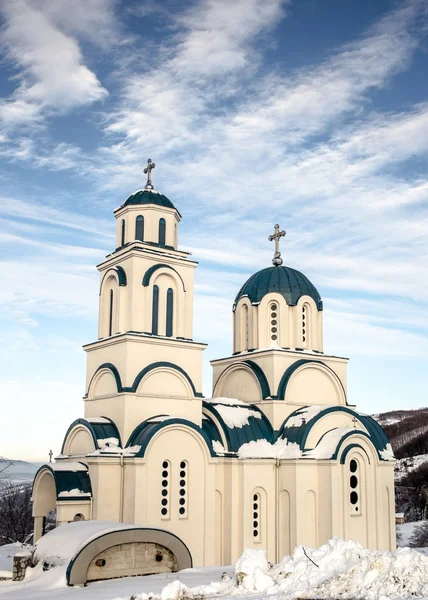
{"points": [[128, 560], [21, 561]]}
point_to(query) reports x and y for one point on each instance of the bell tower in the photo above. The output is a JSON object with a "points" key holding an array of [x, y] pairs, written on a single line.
{"points": [[145, 361]]}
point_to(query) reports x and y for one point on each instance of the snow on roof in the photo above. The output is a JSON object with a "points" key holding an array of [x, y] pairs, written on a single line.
{"points": [[263, 449], [67, 466], [110, 442], [220, 400], [236, 416], [388, 453], [328, 443], [73, 493], [60, 545], [97, 420], [304, 415]]}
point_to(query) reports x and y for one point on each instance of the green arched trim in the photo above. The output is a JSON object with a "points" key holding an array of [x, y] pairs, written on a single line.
{"points": [[144, 432], [115, 374], [346, 436], [300, 434], [282, 387], [121, 275], [258, 372], [92, 430], [157, 365], [348, 449], [256, 429], [65, 481], [148, 274]]}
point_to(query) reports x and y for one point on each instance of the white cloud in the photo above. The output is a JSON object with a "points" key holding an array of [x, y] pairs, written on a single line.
{"points": [[51, 70]]}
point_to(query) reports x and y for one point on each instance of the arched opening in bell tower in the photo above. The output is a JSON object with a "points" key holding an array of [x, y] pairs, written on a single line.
{"points": [[162, 232], [139, 228], [122, 243], [169, 312], [155, 310]]}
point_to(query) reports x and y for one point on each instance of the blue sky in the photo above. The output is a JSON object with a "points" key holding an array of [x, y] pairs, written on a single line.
{"points": [[312, 114]]}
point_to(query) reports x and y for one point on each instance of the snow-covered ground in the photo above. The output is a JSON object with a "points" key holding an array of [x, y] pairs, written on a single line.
{"points": [[336, 570]]}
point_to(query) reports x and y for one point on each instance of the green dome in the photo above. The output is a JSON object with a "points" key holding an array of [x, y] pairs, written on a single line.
{"points": [[148, 197], [288, 282]]}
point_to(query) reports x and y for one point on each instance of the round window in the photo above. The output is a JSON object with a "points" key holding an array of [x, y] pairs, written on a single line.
{"points": [[353, 482], [273, 307], [354, 497], [100, 562], [353, 466], [165, 464], [273, 337], [182, 465]]}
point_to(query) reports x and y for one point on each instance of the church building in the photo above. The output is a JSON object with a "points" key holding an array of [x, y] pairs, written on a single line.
{"points": [[277, 457]]}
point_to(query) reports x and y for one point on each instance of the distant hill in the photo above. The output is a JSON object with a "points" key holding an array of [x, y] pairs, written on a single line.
{"points": [[408, 433], [18, 471]]}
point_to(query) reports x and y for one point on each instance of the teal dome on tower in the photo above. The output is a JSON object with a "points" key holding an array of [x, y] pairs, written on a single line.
{"points": [[288, 282], [148, 197]]}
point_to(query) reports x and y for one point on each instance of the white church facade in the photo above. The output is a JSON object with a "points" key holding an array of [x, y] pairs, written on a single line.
{"points": [[277, 457]]}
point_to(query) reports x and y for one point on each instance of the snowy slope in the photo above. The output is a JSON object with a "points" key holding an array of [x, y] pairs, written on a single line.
{"points": [[18, 471]]}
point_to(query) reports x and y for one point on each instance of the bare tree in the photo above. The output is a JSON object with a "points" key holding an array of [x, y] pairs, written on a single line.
{"points": [[16, 521], [5, 463]]}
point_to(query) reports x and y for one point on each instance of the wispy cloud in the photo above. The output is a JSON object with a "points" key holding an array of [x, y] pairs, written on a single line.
{"points": [[52, 74]]}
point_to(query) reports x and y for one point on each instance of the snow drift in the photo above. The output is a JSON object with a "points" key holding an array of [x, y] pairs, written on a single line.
{"points": [[338, 569]]}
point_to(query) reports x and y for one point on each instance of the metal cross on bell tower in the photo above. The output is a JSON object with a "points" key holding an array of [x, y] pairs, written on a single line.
{"points": [[148, 171], [277, 260]]}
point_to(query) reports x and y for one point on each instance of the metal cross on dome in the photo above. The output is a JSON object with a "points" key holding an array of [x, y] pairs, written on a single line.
{"points": [[148, 171], [277, 260]]}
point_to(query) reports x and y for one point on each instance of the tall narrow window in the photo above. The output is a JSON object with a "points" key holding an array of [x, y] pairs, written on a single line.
{"points": [[354, 486], [245, 329], [123, 233], [256, 517], [304, 315], [161, 232], [169, 312], [182, 509], [110, 317], [139, 228], [164, 509], [155, 310], [274, 323]]}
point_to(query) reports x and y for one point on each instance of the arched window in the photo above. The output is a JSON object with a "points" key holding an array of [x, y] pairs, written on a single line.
{"points": [[169, 312], [155, 310], [256, 520], [182, 501], [161, 232], [306, 323], [354, 486], [110, 316], [139, 228], [273, 323], [165, 491], [245, 328], [123, 232]]}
